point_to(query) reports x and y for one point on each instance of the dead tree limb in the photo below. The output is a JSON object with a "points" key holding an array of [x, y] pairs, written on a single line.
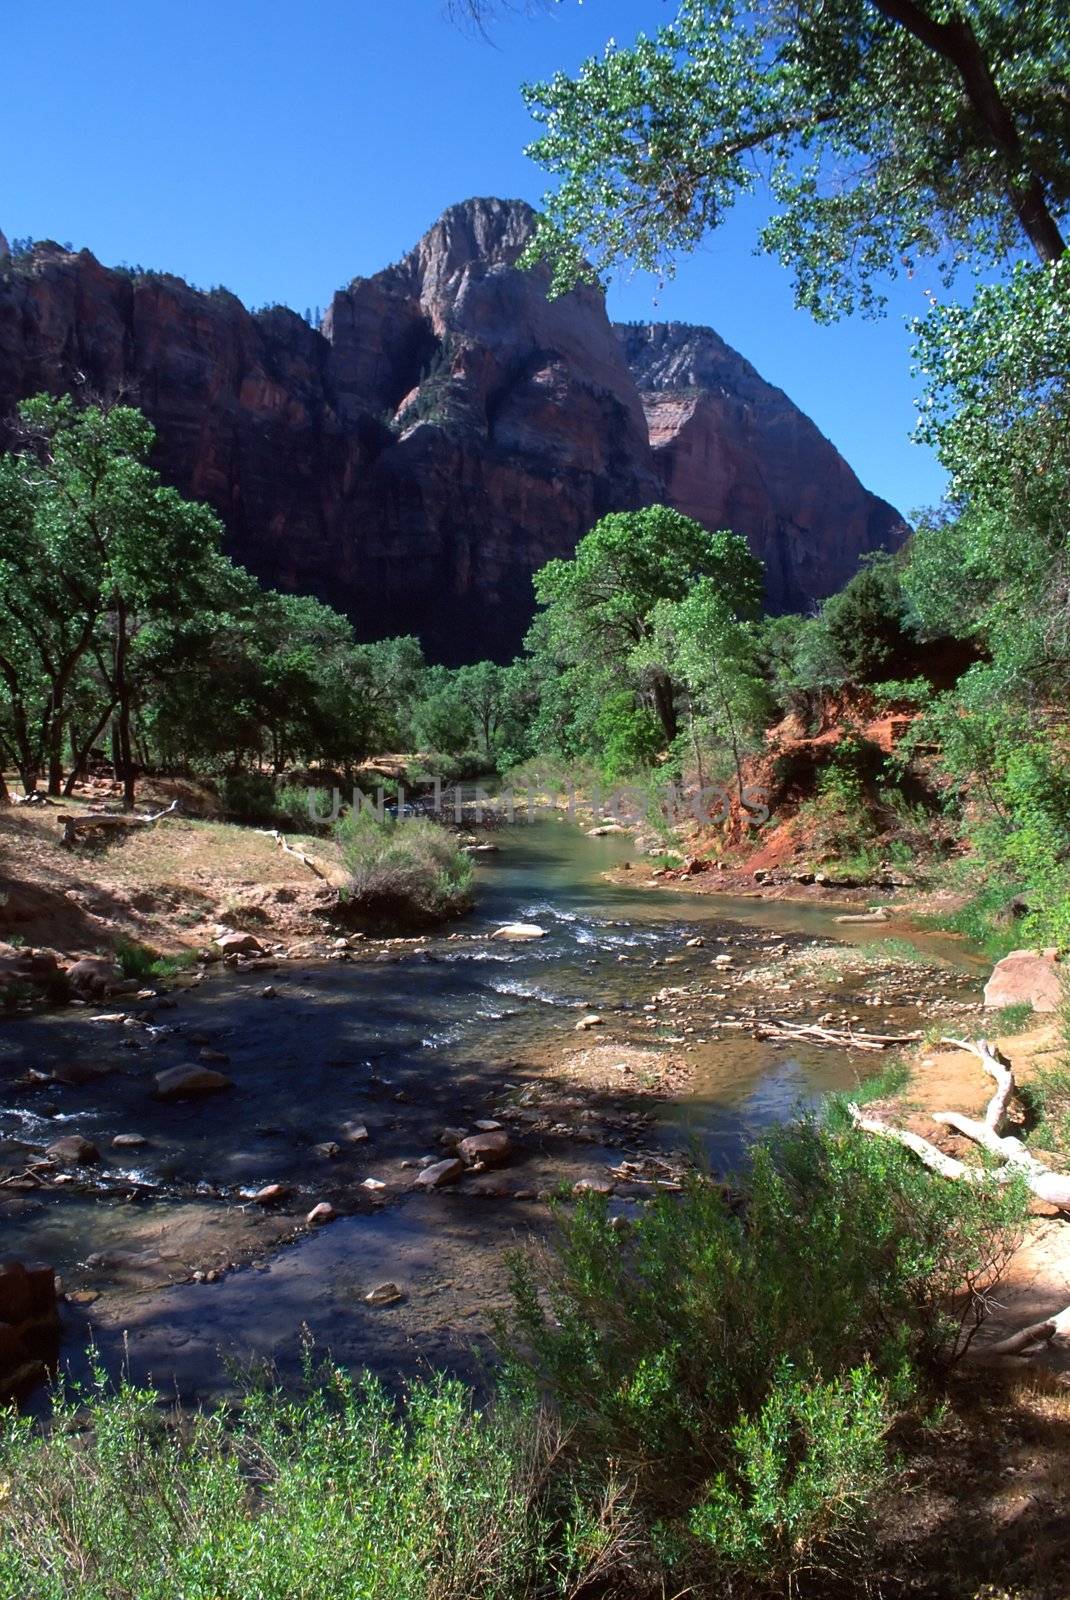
{"points": [[1018, 1162], [306, 861], [105, 822]]}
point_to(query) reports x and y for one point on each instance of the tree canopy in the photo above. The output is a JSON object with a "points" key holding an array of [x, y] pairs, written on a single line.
{"points": [[886, 131]]}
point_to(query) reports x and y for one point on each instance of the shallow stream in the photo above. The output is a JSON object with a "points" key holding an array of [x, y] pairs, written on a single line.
{"points": [[405, 1040]]}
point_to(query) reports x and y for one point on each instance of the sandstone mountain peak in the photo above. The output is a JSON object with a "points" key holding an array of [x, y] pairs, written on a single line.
{"points": [[448, 431]]}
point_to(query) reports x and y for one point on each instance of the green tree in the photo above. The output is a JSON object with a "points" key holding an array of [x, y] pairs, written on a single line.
{"points": [[600, 605], [889, 130], [714, 657], [92, 544]]}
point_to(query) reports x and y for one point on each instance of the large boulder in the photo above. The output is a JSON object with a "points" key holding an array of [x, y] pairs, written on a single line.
{"points": [[1036, 977], [74, 1151], [491, 1149], [93, 977], [28, 1325], [184, 1083]]}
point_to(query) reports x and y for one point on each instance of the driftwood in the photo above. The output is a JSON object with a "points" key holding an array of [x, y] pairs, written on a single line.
{"points": [[306, 861], [1018, 1162], [841, 1038], [109, 821]]}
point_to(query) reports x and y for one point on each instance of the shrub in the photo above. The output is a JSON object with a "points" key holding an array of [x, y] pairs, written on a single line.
{"points": [[137, 960], [338, 1494], [410, 870], [248, 796], [840, 1281]]}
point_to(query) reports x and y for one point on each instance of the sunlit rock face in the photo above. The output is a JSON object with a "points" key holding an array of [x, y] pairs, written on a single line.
{"points": [[732, 451], [445, 432]]}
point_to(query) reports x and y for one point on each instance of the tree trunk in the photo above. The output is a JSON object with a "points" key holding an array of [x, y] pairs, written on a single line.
{"points": [[665, 706], [957, 43], [122, 721]]}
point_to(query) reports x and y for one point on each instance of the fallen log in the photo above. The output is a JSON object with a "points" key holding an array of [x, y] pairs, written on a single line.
{"points": [[841, 1038], [1018, 1162], [107, 821], [306, 861]]}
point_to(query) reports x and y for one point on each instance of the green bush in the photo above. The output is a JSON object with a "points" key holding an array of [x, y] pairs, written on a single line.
{"points": [[805, 1473], [842, 1280], [334, 1496], [410, 870], [248, 796]]}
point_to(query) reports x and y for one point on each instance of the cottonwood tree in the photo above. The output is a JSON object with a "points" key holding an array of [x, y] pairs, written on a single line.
{"points": [[91, 545], [886, 131], [600, 605]]}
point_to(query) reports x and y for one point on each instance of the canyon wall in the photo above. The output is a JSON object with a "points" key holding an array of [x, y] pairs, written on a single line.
{"points": [[446, 431]]}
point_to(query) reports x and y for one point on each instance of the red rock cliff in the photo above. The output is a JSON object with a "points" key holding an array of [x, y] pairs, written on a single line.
{"points": [[447, 430]]}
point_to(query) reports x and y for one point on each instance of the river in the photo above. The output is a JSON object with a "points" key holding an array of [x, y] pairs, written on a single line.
{"points": [[406, 1040]]}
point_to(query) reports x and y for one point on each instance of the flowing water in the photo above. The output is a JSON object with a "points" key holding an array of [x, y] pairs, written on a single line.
{"points": [[437, 1031]]}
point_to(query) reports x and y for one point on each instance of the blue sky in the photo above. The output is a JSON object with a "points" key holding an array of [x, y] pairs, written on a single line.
{"points": [[282, 149]]}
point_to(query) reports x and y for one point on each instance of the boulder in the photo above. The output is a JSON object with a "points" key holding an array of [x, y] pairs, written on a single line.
{"points": [[270, 1194], [29, 1325], [128, 1141], [519, 930], [321, 1213], [74, 1151], [93, 977], [1037, 977], [182, 1083], [492, 1149], [592, 1020], [439, 1173], [239, 944], [384, 1294]]}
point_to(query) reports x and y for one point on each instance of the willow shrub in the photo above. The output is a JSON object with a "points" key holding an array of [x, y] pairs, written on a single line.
{"points": [[410, 870], [340, 1495], [742, 1357]]}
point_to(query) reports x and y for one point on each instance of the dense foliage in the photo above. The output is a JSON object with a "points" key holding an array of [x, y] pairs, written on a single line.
{"points": [[888, 131]]}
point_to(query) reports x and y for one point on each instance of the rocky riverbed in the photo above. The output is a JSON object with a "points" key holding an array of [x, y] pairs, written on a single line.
{"points": [[285, 1144]]}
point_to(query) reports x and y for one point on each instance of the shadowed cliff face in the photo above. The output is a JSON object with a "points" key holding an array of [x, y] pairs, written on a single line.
{"points": [[446, 432]]}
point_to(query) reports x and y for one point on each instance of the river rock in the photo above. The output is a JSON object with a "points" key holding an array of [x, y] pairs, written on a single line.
{"points": [[271, 1194], [592, 1020], [439, 1173], [93, 977], [74, 1151], [239, 944], [128, 1141], [450, 1138], [328, 1149], [354, 1132], [493, 1149], [28, 1325], [604, 829], [181, 1083], [321, 1213], [519, 930], [384, 1294], [1034, 976]]}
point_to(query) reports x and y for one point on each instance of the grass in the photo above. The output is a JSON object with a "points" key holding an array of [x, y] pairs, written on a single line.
{"points": [[410, 872], [890, 1080], [137, 960]]}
